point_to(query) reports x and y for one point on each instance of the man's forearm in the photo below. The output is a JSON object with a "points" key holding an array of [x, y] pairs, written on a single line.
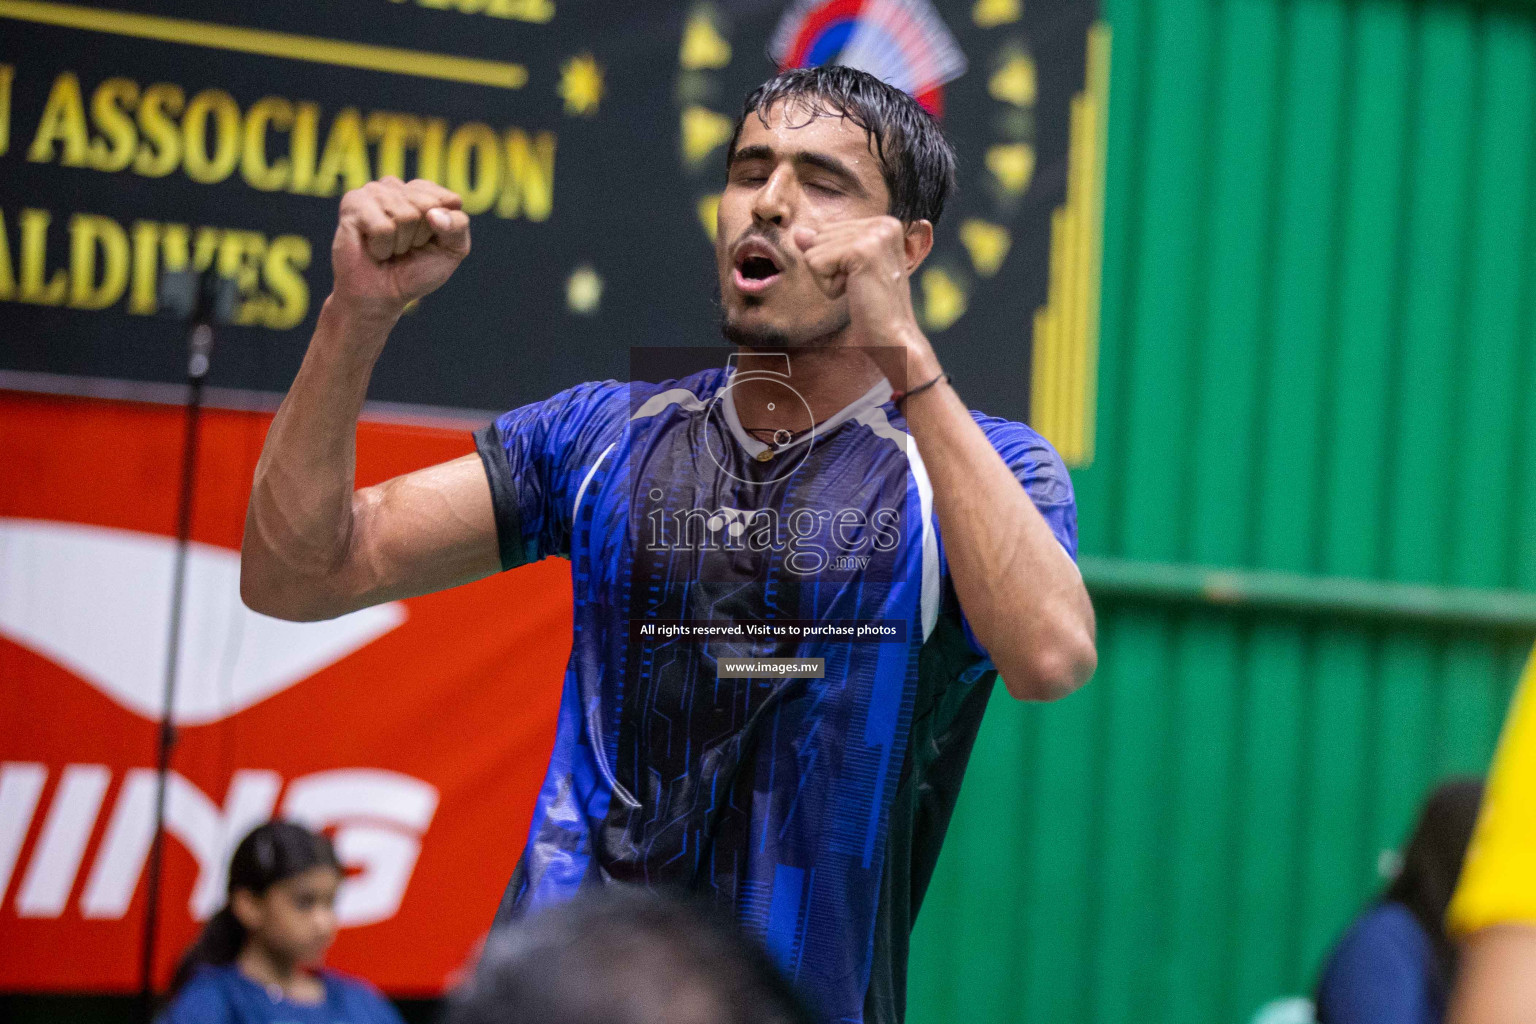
{"points": [[299, 521], [1020, 591]]}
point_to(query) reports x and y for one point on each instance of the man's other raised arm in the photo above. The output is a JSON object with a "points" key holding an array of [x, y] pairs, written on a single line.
{"points": [[314, 547]]}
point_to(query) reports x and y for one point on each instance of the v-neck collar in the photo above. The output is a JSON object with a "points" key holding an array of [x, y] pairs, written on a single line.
{"points": [[876, 396]]}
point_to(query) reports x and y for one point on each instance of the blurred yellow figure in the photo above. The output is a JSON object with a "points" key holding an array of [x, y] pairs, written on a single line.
{"points": [[1494, 910], [1498, 879]]}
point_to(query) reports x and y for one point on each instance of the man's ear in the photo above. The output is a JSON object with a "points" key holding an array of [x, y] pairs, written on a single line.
{"points": [[918, 242]]}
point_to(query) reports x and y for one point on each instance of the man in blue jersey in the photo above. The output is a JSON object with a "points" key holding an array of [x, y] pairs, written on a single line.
{"points": [[796, 572]]}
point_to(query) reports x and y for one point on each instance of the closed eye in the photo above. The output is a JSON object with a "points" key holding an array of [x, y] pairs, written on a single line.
{"points": [[749, 175]]}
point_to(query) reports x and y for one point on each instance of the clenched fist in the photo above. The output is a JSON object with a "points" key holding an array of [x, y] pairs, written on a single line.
{"points": [[869, 260], [395, 242]]}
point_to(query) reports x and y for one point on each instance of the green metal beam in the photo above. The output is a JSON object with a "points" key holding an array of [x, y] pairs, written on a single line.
{"points": [[1312, 596]]}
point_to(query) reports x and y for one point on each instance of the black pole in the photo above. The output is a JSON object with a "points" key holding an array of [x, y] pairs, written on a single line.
{"points": [[200, 345]]}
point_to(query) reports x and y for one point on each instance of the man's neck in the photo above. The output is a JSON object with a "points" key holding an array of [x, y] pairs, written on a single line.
{"points": [[826, 380]]}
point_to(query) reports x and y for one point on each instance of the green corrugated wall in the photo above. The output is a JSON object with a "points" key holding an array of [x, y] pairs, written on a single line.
{"points": [[1317, 354]]}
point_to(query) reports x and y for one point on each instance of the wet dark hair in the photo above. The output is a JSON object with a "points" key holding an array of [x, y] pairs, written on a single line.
{"points": [[269, 854], [624, 955], [916, 159]]}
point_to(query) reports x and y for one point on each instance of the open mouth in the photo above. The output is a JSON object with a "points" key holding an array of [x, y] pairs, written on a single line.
{"points": [[756, 267]]}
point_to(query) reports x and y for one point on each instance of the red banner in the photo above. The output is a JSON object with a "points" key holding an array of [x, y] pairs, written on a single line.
{"points": [[415, 733]]}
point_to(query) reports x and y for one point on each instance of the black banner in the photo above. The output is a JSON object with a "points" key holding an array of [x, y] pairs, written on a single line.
{"points": [[587, 139]]}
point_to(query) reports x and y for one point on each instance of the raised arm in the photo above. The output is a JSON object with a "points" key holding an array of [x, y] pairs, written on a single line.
{"points": [[1021, 593], [314, 547]]}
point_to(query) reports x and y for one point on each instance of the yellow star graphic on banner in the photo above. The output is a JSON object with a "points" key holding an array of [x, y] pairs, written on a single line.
{"points": [[987, 243], [583, 290], [581, 85], [1014, 82], [992, 13], [943, 299], [703, 130], [1013, 166], [709, 212], [703, 45]]}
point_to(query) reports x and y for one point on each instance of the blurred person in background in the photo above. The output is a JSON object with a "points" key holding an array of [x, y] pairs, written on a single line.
{"points": [[623, 955], [257, 960], [1396, 963], [1494, 912]]}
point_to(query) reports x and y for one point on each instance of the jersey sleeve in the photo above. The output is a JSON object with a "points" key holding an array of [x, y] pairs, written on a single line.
{"points": [[536, 458], [1044, 478], [1040, 472], [1498, 877]]}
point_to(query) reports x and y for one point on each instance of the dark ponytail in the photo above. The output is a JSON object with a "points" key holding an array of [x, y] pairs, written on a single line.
{"points": [[271, 853], [1426, 878], [1432, 863]]}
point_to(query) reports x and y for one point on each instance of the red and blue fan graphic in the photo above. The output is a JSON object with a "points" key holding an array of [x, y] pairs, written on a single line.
{"points": [[901, 42]]}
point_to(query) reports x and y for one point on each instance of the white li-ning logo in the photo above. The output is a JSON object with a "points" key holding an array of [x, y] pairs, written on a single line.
{"points": [[97, 602], [378, 817]]}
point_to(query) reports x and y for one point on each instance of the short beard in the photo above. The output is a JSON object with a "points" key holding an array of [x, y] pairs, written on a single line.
{"points": [[820, 336]]}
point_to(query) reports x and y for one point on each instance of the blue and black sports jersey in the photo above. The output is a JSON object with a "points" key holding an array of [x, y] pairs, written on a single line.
{"points": [[812, 807]]}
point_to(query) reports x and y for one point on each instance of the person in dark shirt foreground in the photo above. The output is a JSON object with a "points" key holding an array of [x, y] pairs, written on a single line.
{"points": [[257, 960], [1396, 963]]}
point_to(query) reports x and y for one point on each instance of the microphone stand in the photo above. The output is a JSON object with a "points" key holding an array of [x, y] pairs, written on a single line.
{"points": [[210, 296]]}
